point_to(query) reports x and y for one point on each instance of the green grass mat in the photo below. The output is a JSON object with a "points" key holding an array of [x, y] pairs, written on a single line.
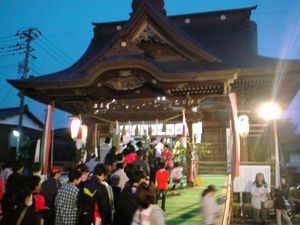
{"points": [[183, 206]]}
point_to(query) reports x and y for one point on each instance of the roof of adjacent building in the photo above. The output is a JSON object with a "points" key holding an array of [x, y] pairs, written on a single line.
{"points": [[6, 113]]}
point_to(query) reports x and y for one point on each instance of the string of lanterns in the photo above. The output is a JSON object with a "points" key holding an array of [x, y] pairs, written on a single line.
{"points": [[160, 102]]}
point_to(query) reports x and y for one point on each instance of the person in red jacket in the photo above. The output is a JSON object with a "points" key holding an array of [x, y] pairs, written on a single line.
{"points": [[162, 178], [166, 157]]}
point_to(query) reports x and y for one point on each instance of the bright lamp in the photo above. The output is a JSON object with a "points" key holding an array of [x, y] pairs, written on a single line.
{"points": [[16, 133], [270, 111]]}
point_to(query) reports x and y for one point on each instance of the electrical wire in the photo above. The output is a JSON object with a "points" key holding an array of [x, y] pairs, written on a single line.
{"points": [[40, 68], [57, 59], [53, 52], [8, 37], [68, 32], [8, 66], [57, 48], [6, 97], [34, 70]]}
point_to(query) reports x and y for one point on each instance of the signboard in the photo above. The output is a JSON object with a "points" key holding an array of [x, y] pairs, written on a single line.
{"points": [[244, 182]]}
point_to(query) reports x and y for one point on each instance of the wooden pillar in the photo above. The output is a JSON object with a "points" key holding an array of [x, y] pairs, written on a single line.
{"points": [[189, 154], [191, 163], [244, 150], [91, 140]]}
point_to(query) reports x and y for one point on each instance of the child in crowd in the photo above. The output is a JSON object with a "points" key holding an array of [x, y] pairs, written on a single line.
{"points": [[176, 174], [147, 213], [37, 171], [210, 208], [162, 178], [166, 157], [260, 193], [281, 205]]}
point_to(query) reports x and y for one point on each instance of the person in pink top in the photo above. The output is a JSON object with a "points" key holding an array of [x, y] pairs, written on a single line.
{"points": [[130, 155], [166, 157]]}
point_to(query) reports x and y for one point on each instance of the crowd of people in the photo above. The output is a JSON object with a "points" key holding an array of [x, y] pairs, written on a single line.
{"points": [[264, 198], [281, 198], [120, 188]]}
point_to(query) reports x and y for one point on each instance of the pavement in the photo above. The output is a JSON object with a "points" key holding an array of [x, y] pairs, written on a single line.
{"points": [[238, 221], [295, 221], [183, 205]]}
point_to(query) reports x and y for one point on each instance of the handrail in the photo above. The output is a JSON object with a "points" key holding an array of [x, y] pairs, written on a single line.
{"points": [[228, 163], [227, 209]]}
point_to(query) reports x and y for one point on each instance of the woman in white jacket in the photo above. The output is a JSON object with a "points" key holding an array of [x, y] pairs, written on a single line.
{"points": [[260, 194], [148, 213], [210, 208]]}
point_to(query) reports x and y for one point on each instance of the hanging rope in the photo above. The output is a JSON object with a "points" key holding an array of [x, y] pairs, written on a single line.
{"points": [[103, 120], [114, 123]]}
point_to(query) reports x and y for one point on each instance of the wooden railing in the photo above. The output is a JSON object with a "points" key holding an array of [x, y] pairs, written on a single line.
{"points": [[213, 167], [225, 219], [228, 206], [221, 167]]}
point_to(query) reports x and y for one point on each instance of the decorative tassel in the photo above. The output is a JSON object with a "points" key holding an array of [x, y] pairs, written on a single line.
{"points": [[123, 131]]}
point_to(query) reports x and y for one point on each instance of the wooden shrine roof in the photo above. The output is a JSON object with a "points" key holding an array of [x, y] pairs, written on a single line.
{"points": [[152, 55]]}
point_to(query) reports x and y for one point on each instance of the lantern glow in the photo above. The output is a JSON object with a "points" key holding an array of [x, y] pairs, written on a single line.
{"points": [[75, 126], [243, 125], [84, 133]]}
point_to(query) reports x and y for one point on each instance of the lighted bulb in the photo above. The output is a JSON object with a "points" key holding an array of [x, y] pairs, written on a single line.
{"points": [[270, 111]]}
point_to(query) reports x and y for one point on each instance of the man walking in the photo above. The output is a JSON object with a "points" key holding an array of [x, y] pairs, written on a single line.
{"points": [[66, 201]]}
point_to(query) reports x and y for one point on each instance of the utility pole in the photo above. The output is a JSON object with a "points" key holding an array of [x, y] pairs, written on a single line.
{"points": [[28, 35]]}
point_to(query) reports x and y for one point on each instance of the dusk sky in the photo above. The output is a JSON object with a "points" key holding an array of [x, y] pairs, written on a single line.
{"points": [[67, 30]]}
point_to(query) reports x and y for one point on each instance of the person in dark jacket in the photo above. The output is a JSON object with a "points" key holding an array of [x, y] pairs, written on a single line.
{"points": [[16, 178], [49, 190], [21, 204], [128, 203], [285, 188], [13, 184], [141, 163], [280, 204], [110, 158], [116, 189], [96, 198]]}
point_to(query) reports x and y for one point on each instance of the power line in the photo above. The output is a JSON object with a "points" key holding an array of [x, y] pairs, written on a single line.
{"points": [[8, 37], [8, 66], [50, 50], [28, 36], [57, 59], [40, 68], [67, 32], [7, 96], [57, 48], [34, 70]]}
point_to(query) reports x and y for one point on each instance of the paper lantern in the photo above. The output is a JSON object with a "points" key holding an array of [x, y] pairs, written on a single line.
{"points": [[75, 126], [243, 125], [137, 131], [84, 133]]}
